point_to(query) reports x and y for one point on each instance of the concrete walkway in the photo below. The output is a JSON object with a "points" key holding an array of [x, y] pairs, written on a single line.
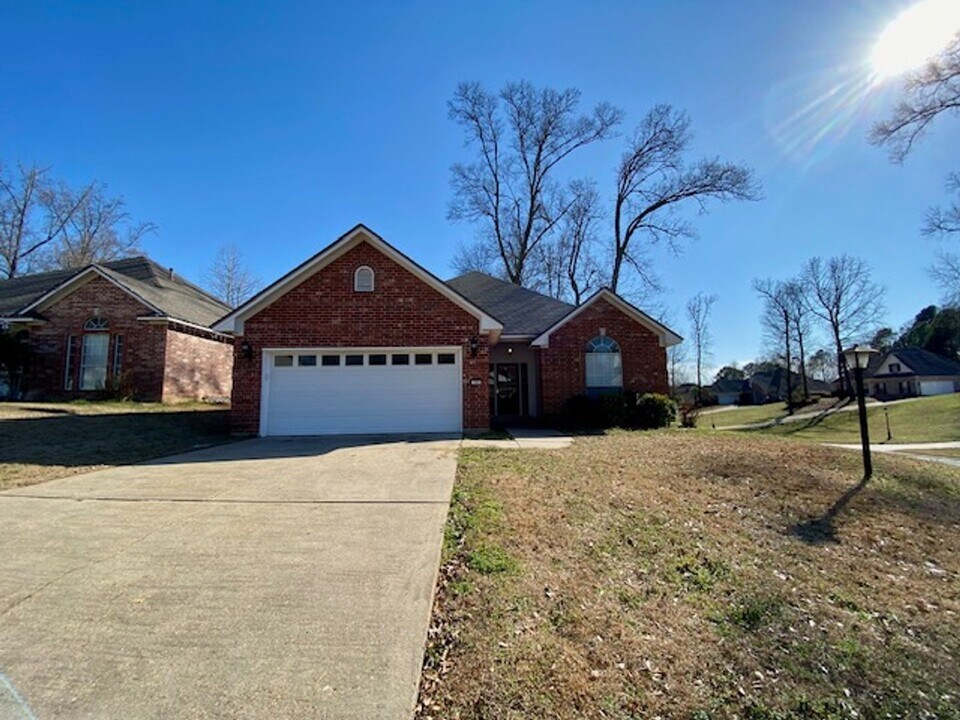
{"points": [[914, 450], [819, 414], [281, 578], [524, 439]]}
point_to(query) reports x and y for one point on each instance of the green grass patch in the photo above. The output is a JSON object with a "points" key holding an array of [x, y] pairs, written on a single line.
{"points": [[743, 415], [43, 441], [935, 419]]}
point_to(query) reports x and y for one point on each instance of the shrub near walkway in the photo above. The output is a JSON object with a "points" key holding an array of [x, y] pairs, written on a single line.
{"points": [[679, 575], [43, 441]]}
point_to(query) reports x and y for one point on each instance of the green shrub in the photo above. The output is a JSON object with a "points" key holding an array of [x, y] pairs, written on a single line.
{"points": [[625, 409], [651, 411]]}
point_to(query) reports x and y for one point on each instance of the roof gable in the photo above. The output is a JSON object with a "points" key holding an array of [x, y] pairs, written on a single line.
{"points": [[161, 292], [233, 322], [917, 361], [666, 336]]}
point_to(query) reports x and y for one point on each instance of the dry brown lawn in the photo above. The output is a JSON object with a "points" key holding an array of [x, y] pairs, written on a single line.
{"points": [[43, 441], [684, 575]]}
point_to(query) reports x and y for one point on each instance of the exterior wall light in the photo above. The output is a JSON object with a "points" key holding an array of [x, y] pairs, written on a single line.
{"points": [[246, 349]]}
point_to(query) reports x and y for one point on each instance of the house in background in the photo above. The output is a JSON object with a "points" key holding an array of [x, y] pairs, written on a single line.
{"points": [[129, 326], [361, 339], [732, 392], [912, 372], [771, 386]]}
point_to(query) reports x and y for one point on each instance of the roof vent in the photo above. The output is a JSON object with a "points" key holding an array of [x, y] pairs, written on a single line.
{"points": [[171, 273]]}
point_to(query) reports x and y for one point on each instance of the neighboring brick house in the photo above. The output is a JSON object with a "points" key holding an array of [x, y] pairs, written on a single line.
{"points": [[126, 328], [361, 339]]}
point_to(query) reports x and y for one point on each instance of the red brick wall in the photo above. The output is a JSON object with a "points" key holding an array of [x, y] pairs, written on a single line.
{"points": [[324, 311], [196, 368], [142, 347], [562, 364]]}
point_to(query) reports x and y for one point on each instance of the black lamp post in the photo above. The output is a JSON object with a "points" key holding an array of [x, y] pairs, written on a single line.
{"points": [[858, 358]]}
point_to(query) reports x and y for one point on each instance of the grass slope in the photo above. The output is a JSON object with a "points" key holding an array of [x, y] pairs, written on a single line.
{"points": [[43, 441], [679, 575], [932, 419], [743, 415]]}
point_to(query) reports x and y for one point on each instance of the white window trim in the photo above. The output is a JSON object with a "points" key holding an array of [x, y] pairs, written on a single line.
{"points": [[615, 362], [68, 363], [357, 287]]}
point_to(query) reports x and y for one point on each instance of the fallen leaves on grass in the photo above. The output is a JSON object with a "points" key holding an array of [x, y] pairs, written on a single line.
{"points": [[662, 574]]}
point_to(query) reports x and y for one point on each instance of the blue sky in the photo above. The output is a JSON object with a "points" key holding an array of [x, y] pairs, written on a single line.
{"points": [[278, 126]]}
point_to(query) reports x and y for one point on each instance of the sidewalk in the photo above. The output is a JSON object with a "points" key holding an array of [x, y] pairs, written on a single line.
{"points": [[523, 439], [910, 450], [806, 416]]}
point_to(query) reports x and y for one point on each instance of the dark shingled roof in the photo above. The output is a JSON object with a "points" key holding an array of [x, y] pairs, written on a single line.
{"points": [[923, 362], [171, 296], [522, 311], [729, 385]]}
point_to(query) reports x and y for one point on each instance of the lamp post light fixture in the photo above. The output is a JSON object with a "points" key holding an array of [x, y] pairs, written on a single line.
{"points": [[858, 358]]}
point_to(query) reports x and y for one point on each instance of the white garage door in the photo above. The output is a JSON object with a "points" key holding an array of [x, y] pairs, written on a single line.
{"points": [[346, 391], [936, 387]]}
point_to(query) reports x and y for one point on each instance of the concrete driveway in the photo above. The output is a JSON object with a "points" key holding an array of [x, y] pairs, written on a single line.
{"points": [[265, 579]]}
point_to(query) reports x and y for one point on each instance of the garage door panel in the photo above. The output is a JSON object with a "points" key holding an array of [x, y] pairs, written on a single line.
{"points": [[936, 387], [362, 399]]}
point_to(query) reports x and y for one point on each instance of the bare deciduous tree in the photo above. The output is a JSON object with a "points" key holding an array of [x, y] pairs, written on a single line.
{"points": [[654, 182], [800, 321], [698, 312], [677, 357], [32, 216], [947, 274], [228, 278], [943, 221], [97, 229], [777, 322], [841, 292], [927, 93], [820, 363], [568, 261], [520, 135]]}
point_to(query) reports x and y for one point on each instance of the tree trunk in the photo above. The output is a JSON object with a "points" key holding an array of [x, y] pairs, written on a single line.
{"points": [[786, 328], [843, 372], [803, 366]]}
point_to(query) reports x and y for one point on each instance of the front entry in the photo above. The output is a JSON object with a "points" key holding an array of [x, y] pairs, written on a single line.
{"points": [[508, 390]]}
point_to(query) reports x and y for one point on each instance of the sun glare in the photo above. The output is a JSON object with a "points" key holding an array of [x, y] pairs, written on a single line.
{"points": [[916, 35]]}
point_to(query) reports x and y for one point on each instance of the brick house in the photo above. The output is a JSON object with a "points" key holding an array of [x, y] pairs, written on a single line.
{"points": [[129, 327], [361, 339]]}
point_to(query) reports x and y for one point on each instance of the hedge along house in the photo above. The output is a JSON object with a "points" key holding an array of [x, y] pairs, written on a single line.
{"points": [[361, 339], [129, 328]]}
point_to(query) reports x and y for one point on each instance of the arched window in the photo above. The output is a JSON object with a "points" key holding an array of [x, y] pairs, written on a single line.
{"points": [[604, 370], [363, 279], [96, 324], [93, 354]]}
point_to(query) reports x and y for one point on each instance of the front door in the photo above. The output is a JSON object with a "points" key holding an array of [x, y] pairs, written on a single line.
{"points": [[507, 389]]}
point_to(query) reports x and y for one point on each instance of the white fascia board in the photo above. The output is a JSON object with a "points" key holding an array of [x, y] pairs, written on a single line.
{"points": [[233, 323], [666, 336], [22, 320]]}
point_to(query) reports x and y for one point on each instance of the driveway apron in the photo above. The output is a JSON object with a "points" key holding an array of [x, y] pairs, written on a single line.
{"points": [[272, 578]]}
